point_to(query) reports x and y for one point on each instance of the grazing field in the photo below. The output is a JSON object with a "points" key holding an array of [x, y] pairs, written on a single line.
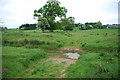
{"points": [[33, 54]]}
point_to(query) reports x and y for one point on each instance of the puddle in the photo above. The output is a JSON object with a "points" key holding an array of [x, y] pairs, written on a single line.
{"points": [[72, 55]]}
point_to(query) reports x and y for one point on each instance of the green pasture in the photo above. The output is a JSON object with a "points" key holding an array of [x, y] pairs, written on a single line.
{"points": [[27, 49]]}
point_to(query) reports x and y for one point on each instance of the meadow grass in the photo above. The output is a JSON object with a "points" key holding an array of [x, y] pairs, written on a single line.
{"points": [[96, 39], [16, 60], [94, 65], [46, 70], [24, 49]]}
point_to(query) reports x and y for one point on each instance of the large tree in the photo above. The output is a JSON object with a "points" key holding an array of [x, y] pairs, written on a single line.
{"points": [[42, 23], [50, 11], [68, 23]]}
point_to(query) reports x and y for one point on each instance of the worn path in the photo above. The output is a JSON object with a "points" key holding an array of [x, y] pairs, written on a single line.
{"points": [[60, 58], [67, 62]]}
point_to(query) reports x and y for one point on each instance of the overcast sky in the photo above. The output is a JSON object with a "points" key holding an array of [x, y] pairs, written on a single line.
{"points": [[16, 12]]}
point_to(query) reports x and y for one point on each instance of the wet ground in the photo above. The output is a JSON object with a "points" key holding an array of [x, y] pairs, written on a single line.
{"points": [[72, 55]]}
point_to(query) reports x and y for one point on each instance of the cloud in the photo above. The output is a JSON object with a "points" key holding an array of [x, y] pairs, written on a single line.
{"points": [[92, 10], [17, 12]]}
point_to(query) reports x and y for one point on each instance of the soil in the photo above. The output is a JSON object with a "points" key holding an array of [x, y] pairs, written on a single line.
{"points": [[61, 58], [67, 61], [70, 49]]}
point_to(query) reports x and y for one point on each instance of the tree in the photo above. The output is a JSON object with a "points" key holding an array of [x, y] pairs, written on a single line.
{"points": [[3, 29], [51, 10], [1, 26], [42, 23], [83, 27], [28, 27], [98, 25], [68, 23], [78, 24], [87, 25], [58, 25]]}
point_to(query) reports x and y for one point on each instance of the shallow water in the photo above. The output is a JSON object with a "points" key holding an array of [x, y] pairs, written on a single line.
{"points": [[72, 55]]}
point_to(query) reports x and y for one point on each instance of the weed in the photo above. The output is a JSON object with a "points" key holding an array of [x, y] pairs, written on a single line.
{"points": [[83, 44], [97, 41], [102, 54], [97, 34]]}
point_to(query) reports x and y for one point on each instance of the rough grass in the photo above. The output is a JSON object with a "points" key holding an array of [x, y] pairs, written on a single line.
{"points": [[46, 70], [92, 40], [94, 65], [24, 49], [17, 60]]}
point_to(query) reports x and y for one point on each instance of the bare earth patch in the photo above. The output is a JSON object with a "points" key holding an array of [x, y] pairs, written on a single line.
{"points": [[3, 69], [70, 49], [67, 62], [58, 59], [61, 59]]}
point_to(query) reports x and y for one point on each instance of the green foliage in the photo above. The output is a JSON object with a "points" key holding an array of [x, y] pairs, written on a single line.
{"points": [[28, 27], [67, 23], [42, 23], [51, 10], [78, 24], [91, 25], [3, 29], [83, 27], [98, 25], [58, 25]]}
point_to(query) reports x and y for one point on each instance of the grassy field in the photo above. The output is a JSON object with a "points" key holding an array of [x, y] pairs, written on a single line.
{"points": [[26, 53], [94, 65]]}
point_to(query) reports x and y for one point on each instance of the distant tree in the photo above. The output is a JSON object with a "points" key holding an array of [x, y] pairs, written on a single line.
{"points": [[28, 27], [49, 11], [83, 27], [3, 29], [91, 25], [68, 23], [98, 25], [77, 24], [87, 25]]}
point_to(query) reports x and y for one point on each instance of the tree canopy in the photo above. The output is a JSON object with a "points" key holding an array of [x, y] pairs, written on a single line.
{"points": [[28, 27], [67, 23], [51, 10], [98, 24], [42, 23]]}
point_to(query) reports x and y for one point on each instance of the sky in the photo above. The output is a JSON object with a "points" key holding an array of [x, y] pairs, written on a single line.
{"points": [[14, 13]]}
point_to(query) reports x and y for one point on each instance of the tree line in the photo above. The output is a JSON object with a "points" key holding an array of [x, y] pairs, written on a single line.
{"points": [[46, 17], [28, 26]]}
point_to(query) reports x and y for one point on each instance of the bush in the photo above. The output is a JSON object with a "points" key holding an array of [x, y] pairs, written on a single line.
{"points": [[68, 28]]}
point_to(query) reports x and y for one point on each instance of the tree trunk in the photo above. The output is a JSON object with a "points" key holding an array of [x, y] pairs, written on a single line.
{"points": [[43, 29], [51, 29]]}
